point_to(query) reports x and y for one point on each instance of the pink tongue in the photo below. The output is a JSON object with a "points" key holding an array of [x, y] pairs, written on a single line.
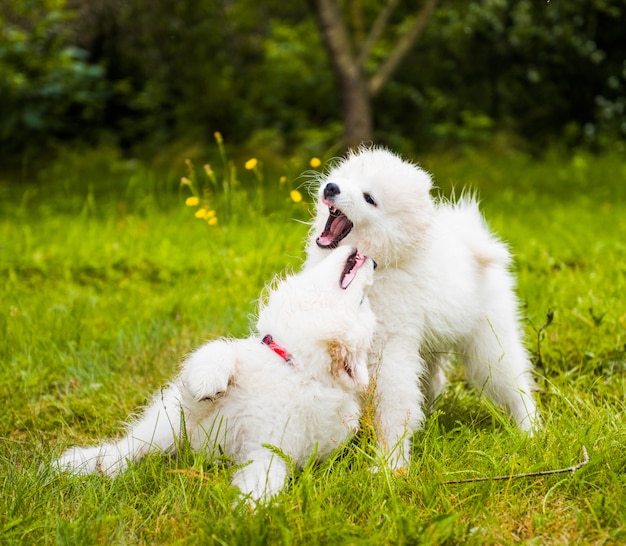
{"points": [[334, 230], [339, 224], [325, 239], [348, 277]]}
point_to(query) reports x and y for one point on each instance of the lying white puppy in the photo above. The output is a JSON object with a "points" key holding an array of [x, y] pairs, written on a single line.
{"points": [[443, 287], [293, 386]]}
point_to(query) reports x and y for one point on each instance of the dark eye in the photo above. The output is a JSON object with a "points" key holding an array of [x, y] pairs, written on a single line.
{"points": [[369, 199]]}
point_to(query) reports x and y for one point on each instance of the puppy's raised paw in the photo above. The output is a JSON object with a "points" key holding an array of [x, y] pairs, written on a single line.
{"points": [[205, 383], [207, 372]]}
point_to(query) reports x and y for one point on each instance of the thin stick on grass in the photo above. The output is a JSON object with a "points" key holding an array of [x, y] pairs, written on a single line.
{"points": [[571, 469]]}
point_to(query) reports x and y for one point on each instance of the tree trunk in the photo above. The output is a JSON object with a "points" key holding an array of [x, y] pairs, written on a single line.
{"points": [[356, 110], [402, 48]]}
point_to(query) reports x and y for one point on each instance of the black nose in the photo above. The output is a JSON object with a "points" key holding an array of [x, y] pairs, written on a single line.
{"points": [[375, 264], [331, 190]]}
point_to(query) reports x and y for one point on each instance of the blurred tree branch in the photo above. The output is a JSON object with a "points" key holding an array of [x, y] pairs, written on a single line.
{"points": [[403, 47], [356, 89]]}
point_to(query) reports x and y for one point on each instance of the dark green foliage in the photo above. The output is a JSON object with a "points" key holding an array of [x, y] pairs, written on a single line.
{"points": [[543, 70], [48, 87], [158, 71]]}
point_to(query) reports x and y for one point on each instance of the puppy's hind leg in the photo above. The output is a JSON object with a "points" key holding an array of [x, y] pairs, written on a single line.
{"points": [[156, 429], [435, 380], [497, 363]]}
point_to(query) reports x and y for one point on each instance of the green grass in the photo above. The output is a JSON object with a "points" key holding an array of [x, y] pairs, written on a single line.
{"points": [[107, 280]]}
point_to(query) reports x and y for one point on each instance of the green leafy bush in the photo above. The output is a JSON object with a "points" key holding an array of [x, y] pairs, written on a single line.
{"points": [[48, 89]]}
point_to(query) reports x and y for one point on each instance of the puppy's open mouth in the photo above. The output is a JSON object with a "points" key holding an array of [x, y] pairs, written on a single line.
{"points": [[337, 227], [353, 264]]}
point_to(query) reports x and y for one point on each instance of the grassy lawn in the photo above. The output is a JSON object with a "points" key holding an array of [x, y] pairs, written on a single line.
{"points": [[107, 280]]}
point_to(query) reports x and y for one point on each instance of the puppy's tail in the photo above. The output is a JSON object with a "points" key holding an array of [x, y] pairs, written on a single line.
{"points": [[486, 248], [494, 253]]}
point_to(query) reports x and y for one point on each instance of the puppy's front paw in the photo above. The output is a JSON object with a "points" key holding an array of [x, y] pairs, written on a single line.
{"points": [[207, 372], [205, 382], [202, 388]]}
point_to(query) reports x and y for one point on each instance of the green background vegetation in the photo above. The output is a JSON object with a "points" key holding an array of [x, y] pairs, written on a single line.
{"points": [[135, 73]]}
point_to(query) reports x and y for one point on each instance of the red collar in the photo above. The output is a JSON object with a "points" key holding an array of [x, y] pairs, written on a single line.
{"points": [[280, 351]]}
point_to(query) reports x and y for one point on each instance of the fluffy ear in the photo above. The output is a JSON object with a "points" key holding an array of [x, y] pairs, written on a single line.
{"points": [[348, 364]]}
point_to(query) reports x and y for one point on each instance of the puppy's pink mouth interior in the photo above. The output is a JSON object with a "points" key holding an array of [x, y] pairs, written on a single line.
{"points": [[337, 227], [353, 264]]}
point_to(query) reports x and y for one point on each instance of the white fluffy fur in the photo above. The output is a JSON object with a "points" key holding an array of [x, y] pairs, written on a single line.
{"points": [[443, 286], [241, 396]]}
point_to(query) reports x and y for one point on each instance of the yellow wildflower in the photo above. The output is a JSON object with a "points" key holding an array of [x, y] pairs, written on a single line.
{"points": [[296, 196], [315, 162], [282, 180], [213, 221], [205, 214], [192, 201], [251, 164]]}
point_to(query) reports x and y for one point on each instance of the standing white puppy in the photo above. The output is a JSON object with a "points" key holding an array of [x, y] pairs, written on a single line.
{"points": [[443, 286]]}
